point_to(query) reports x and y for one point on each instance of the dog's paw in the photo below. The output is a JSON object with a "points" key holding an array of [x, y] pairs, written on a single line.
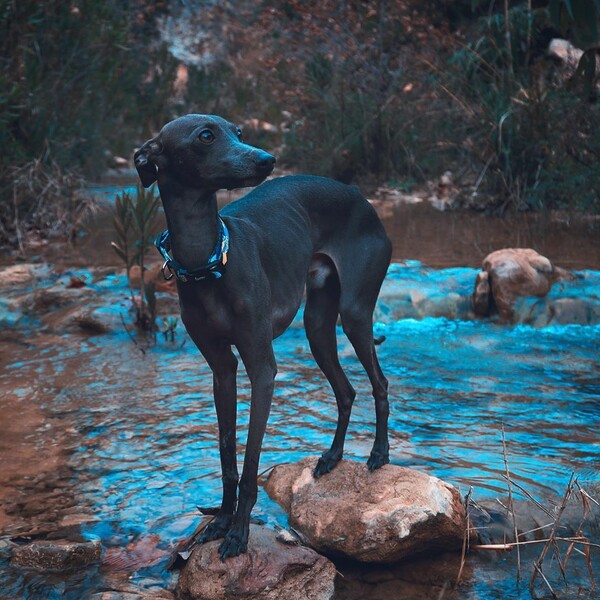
{"points": [[326, 464], [234, 544], [377, 459], [216, 529]]}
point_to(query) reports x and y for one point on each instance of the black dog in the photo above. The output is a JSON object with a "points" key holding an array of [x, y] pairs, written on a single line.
{"points": [[242, 275]]}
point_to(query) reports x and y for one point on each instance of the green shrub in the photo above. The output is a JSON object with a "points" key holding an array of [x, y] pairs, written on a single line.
{"points": [[78, 82], [532, 144]]}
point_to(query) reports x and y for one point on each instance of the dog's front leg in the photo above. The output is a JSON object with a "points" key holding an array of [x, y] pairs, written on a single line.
{"points": [[261, 367], [224, 365]]}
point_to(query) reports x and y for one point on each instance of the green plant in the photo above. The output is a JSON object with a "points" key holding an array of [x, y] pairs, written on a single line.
{"points": [[169, 328], [135, 222], [78, 82], [530, 143]]}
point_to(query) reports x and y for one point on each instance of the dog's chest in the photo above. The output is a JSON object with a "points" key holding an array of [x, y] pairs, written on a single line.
{"points": [[207, 313]]}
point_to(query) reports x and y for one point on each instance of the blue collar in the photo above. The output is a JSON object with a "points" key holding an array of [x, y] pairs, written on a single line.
{"points": [[214, 269]]}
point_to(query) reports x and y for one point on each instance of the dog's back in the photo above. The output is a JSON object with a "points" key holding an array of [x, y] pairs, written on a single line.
{"points": [[328, 204], [316, 215]]}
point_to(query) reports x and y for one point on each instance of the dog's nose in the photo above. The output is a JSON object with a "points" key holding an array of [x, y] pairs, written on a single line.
{"points": [[265, 161]]}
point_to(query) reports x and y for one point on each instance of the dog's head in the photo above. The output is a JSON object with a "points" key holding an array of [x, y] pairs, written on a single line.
{"points": [[204, 152]]}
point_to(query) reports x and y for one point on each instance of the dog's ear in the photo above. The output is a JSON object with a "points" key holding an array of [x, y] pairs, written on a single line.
{"points": [[145, 161]]}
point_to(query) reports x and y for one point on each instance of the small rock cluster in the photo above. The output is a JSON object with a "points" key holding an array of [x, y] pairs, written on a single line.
{"points": [[509, 274], [373, 517]]}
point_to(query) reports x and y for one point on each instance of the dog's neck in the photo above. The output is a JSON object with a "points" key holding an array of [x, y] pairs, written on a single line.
{"points": [[192, 219]]}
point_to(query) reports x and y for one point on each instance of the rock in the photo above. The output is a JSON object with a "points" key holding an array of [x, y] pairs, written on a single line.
{"points": [[22, 275], [138, 554], [445, 192], [497, 526], [425, 578], [509, 274], [56, 555], [382, 517], [138, 594], [119, 162], [45, 300], [16, 275], [125, 587], [258, 125], [84, 319], [567, 57], [482, 295], [10, 313], [581, 311], [269, 570], [412, 291]]}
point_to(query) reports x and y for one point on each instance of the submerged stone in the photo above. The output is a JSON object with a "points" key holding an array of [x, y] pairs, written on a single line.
{"points": [[377, 517], [414, 291], [21, 275], [269, 570], [56, 555]]}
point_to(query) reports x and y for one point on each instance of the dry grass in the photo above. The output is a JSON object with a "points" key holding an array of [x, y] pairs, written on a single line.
{"points": [[41, 199], [557, 549]]}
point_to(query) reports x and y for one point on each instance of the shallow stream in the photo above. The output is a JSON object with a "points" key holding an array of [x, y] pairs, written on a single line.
{"points": [[102, 440]]}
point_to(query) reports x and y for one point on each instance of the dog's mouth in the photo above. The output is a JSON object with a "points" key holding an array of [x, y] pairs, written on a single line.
{"points": [[250, 181]]}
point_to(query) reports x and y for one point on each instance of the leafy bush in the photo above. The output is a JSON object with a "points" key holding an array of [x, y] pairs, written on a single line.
{"points": [[371, 91], [532, 144], [395, 91], [78, 82]]}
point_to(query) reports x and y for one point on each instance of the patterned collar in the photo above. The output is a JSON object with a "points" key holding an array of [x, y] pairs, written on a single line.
{"points": [[213, 269]]}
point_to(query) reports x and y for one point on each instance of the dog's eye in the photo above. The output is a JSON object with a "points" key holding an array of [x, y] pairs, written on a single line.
{"points": [[238, 132], [206, 136]]}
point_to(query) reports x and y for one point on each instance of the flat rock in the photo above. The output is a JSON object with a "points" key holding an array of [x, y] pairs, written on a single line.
{"points": [[21, 274], [56, 555], [376, 517], [86, 319], [270, 570]]}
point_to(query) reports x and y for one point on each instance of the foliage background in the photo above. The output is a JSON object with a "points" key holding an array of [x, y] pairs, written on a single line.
{"points": [[373, 91]]}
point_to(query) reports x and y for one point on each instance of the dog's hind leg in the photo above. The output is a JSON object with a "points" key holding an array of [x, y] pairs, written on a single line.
{"points": [[320, 316], [359, 290], [360, 333]]}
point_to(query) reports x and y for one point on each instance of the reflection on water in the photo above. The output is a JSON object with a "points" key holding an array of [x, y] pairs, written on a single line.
{"points": [[445, 239], [119, 445], [418, 231]]}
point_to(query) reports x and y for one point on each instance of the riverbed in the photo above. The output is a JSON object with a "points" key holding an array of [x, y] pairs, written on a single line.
{"points": [[112, 440]]}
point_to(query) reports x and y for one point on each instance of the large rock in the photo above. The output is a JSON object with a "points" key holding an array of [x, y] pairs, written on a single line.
{"points": [[381, 516], [568, 59], [269, 570], [510, 274]]}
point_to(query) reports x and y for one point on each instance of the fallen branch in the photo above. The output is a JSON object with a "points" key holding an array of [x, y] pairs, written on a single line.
{"points": [[510, 545]]}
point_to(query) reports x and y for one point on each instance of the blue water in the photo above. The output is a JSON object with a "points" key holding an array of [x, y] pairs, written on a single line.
{"points": [[136, 433]]}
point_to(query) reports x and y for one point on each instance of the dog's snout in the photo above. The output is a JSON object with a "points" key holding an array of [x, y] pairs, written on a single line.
{"points": [[265, 161]]}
